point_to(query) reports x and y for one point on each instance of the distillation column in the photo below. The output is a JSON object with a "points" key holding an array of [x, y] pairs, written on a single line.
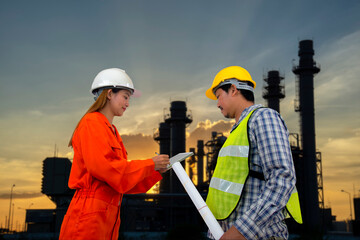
{"points": [[163, 138], [172, 139], [178, 121], [274, 91], [200, 162], [305, 72]]}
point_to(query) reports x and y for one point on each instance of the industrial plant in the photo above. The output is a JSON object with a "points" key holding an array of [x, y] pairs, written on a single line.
{"points": [[167, 213]]}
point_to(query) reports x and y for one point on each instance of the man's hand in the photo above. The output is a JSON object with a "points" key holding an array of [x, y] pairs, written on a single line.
{"points": [[232, 233]]}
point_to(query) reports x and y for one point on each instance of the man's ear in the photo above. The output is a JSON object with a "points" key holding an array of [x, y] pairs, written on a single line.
{"points": [[233, 90]]}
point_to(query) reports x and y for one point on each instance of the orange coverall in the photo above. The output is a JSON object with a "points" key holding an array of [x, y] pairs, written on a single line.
{"points": [[101, 174]]}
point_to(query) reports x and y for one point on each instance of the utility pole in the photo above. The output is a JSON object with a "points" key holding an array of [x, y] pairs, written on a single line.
{"points": [[12, 216], [349, 202], [10, 206]]}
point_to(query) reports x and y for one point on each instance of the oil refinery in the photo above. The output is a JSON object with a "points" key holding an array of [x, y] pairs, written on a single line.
{"points": [[169, 212]]}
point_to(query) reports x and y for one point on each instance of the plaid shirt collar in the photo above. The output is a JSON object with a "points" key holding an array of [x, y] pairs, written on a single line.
{"points": [[244, 114]]}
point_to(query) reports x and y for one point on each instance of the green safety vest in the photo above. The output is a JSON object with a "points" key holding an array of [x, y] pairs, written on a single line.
{"points": [[231, 173]]}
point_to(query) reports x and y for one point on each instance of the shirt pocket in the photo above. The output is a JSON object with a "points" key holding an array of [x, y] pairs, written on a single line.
{"points": [[117, 150]]}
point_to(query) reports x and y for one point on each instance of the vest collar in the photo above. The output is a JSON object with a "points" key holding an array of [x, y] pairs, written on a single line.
{"points": [[244, 114]]}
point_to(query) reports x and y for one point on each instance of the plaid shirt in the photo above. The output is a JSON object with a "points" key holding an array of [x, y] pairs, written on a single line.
{"points": [[260, 212]]}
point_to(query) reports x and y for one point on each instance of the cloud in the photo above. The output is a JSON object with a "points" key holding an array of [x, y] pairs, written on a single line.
{"points": [[220, 125], [343, 151], [35, 113], [340, 161], [23, 195], [337, 88], [340, 71], [145, 113], [204, 130], [174, 57], [140, 146]]}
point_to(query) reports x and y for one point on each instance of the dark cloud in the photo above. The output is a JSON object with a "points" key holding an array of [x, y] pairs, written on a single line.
{"points": [[343, 166], [19, 182], [23, 195]]}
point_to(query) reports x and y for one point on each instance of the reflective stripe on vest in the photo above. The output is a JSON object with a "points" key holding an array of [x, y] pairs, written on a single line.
{"points": [[226, 186], [234, 151], [231, 173]]}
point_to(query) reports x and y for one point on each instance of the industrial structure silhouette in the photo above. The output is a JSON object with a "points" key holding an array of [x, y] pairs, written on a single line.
{"points": [[171, 209]]}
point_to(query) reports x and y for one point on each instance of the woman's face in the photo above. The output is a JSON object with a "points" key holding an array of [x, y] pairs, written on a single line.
{"points": [[119, 102]]}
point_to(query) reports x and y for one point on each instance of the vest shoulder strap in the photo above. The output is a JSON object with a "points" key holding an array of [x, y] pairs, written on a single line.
{"points": [[258, 175], [252, 173]]}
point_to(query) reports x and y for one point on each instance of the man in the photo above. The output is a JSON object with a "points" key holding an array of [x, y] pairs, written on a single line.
{"points": [[254, 176]]}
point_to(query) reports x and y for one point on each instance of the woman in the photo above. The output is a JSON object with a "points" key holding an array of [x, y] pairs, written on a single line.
{"points": [[100, 171]]}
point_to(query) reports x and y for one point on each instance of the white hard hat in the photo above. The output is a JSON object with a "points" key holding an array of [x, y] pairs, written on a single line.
{"points": [[112, 78]]}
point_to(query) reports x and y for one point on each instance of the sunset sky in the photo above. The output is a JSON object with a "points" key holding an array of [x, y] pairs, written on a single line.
{"points": [[50, 52]]}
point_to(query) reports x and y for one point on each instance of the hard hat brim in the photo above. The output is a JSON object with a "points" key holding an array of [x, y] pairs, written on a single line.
{"points": [[209, 93], [131, 90]]}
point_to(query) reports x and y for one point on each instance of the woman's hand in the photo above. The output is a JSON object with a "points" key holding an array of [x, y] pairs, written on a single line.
{"points": [[161, 162]]}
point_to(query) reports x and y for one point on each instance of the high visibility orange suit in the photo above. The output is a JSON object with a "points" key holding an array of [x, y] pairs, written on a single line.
{"points": [[101, 174]]}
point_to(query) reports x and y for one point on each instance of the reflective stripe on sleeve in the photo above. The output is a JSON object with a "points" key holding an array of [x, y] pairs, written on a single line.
{"points": [[226, 186]]}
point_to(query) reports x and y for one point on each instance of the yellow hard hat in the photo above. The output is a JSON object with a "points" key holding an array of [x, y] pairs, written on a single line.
{"points": [[232, 72]]}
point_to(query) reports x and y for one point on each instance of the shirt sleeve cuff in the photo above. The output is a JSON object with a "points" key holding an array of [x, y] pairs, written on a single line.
{"points": [[157, 176], [248, 228]]}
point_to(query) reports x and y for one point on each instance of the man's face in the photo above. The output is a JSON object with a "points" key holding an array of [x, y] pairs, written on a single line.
{"points": [[224, 103]]}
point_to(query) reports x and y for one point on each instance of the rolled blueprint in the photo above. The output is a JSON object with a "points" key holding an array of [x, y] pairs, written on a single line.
{"points": [[198, 201]]}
